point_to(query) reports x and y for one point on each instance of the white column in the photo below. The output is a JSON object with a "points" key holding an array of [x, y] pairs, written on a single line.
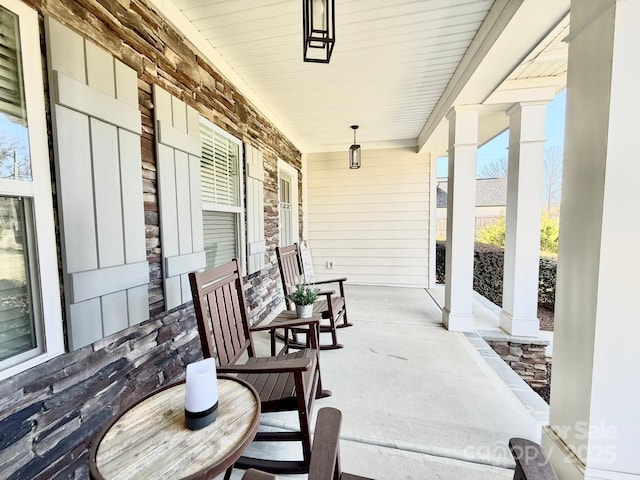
{"points": [[461, 218], [519, 315], [433, 205], [595, 388]]}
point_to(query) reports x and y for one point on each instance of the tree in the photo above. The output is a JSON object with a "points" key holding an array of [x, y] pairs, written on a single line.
{"points": [[496, 168], [14, 158], [552, 179], [552, 175]]}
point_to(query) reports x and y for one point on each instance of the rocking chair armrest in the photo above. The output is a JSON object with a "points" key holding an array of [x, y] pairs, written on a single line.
{"points": [[295, 322], [332, 280], [292, 365], [328, 293]]}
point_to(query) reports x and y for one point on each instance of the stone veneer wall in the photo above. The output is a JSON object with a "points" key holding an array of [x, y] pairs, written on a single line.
{"points": [[49, 413], [525, 358]]}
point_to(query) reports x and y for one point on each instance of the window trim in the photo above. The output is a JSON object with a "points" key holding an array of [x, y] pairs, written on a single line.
{"points": [[39, 190], [240, 211]]}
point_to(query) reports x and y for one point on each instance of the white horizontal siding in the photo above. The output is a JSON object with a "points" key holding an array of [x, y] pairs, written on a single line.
{"points": [[371, 223], [380, 208]]}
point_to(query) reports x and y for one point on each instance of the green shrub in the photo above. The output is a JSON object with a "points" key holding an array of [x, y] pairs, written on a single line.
{"points": [[488, 269], [549, 232], [494, 233]]}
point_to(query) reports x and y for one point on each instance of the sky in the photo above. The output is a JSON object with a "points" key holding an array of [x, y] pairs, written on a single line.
{"points": [[497, 148], [12, 132]]}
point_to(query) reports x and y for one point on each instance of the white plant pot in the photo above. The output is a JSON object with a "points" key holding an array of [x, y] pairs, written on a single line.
{"points": [[304, 311]]}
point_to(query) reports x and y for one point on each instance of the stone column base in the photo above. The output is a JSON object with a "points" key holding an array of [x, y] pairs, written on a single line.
{"points": [[457, 322], [519, 326]]}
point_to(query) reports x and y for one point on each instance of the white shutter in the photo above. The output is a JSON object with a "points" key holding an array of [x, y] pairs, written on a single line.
{"points": [[178, 153], [255, 209], [98, 166]]}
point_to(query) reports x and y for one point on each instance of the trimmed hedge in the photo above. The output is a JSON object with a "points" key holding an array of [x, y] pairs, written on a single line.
{"points": [[488, 270]]}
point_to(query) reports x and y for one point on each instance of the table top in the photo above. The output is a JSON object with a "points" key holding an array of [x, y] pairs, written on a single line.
{"points": [[150, 439], [287, 315]]}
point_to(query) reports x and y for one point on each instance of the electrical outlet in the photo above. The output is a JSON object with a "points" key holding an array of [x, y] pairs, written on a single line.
{"points": [[329, 265]]}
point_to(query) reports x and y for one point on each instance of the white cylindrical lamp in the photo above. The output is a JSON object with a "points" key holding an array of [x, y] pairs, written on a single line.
{"points": [[201, 394]]}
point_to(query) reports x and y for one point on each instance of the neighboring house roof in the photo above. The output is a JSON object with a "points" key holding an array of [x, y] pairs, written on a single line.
{"points": [[490, 192]]}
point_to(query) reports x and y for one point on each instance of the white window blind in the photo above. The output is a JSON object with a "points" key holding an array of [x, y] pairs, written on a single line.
{"points": [[220, 234], [12, 101], [220, 182], [222, 198], [17, 322]]}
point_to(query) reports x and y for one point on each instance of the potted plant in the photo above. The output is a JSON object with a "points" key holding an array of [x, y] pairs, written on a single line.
{"points": [[303, 296]]}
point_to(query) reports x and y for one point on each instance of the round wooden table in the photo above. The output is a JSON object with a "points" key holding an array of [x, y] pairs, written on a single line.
{"points": [[150, 440]]}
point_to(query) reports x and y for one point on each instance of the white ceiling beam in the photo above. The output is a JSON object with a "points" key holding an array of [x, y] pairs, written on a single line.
{"points": [[525, 90], [506, 37]]}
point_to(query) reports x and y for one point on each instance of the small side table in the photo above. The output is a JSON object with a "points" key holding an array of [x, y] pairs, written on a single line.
{"points": [[286, 316], [150, 440]]}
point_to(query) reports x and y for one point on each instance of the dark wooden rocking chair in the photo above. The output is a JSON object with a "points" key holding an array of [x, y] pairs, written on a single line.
{"points": [[325, 458], [304, 254], [531, 461], [331, 307], [285, 383]]}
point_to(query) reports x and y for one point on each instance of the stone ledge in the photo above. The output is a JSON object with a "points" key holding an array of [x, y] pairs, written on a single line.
{"points": [[521, 389], [501, 336]]}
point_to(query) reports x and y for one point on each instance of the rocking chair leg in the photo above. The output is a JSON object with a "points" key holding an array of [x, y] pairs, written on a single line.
{"points": [[272, 334], [227, 474], [345, 322]]}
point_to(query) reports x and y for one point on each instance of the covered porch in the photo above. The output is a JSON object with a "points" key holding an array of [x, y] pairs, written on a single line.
{"points": [[164, 137], [418, 401]]}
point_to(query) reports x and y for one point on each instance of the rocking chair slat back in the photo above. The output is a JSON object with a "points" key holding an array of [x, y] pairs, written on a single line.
{"points": [[220, 316], [290, 270], [330, 307], [288, 382]]}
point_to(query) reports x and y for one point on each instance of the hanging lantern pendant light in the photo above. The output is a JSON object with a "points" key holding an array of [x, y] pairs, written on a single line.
{"points": [[355, 152], [318, 23]]}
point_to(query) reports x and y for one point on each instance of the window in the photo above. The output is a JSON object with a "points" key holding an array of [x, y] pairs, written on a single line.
{"points": [[222, 196], [288, 203], [30, 317], [286, 230]]}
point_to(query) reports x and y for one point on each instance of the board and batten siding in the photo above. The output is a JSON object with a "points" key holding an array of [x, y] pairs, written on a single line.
{"points": [[178, 151], [372, 223], [256, 245], [96, 133]]}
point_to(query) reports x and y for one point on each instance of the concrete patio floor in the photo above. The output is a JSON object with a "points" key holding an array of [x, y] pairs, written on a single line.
{"points": [[418, 401]]}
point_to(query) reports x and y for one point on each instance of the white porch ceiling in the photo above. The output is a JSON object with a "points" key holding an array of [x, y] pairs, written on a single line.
{"points": [[391, 64]]}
